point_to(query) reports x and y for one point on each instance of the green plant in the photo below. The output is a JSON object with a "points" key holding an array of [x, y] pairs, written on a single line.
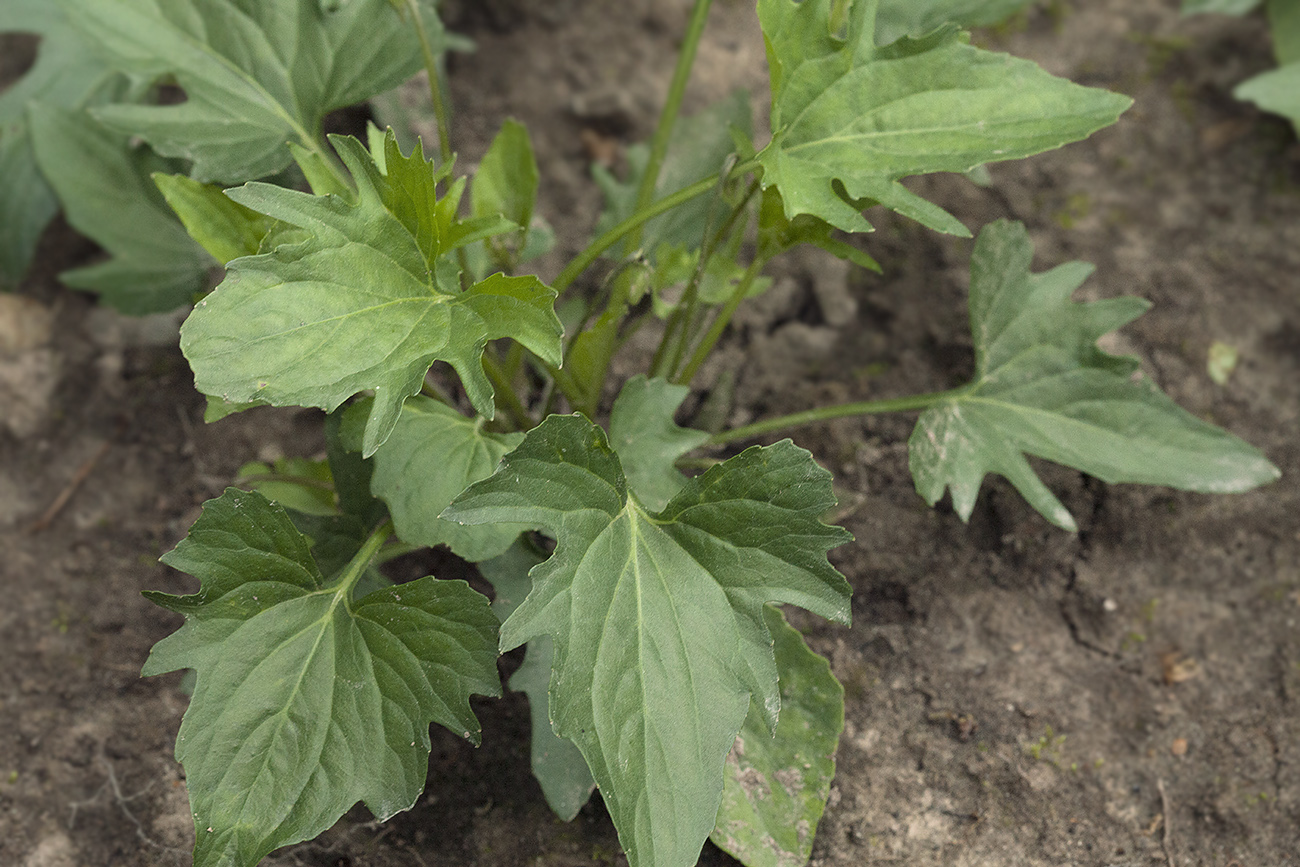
{"points": [[656, 664], [1276, 91]]}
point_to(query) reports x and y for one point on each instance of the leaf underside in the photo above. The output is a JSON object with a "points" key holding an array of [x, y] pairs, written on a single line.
{"points": [[657, 618], [850, 119], [308, 700], [1043, 387]]}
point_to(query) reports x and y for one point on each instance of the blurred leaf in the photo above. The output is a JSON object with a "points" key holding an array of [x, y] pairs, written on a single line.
{"points": [[898, 18]]}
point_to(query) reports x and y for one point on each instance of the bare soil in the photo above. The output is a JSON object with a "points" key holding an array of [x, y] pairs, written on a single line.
{"points": [[1124, 696]]}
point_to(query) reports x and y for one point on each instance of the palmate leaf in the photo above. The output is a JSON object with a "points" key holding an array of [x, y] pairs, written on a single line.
{"points": [[108, 196], [433, 455], [256, 73], [67, 74], [777, 787], [307, 699], [368, 301], [850, 119], [1043, 387], [657, 618]]}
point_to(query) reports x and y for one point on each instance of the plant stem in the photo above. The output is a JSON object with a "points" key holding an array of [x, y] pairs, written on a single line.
{"points": [[441, 111], [584, 259], [826, 413], [505, 394], [357, 566], [668, 116], [721, 321]]}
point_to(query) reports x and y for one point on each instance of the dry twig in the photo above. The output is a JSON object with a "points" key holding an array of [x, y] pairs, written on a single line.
{"points": [[1166, 840], [83, 472]]}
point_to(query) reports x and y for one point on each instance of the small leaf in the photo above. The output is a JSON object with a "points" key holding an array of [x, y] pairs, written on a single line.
{"points": [[226, 229], [108, 196], [1043, 387], [557, 764], [433, 454], [300, 484], [850, 119], [354, 306], [657, 619], [648, 441], [505, 184], [308, 700], [777, 787]]}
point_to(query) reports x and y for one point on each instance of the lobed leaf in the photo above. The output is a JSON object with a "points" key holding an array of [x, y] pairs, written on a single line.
{"points": [[1042, 387], [358, 304], [307, 699], [776, 787], [850, 119], [107, 196], [255, 74], [657, 619]]}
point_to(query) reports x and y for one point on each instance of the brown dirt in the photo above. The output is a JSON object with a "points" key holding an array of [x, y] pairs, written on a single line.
{"points": [[1016, 695]]}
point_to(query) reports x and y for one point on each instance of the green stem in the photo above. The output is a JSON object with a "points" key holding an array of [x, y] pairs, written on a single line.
{"points": [[593, 251], [668, 117], [441, 112], [357, 566], [721, 321], [505, 394], [826, 413]]}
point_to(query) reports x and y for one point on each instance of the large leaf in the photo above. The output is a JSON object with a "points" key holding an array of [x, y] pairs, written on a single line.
{"points": [[433, 455], [648, 441], [777, 787], [256, 73], [899, 18], [850, 119], [1042, 387], [108, 196], [309, 700], [67, 74], [366, 302], [1276, 91], [657, 619], [557, 764]]}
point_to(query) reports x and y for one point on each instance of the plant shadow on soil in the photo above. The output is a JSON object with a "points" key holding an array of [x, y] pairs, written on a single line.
{"points": [[1015, 695]]}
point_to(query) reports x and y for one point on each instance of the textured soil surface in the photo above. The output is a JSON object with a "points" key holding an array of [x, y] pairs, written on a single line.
{"points": [[1125, 696]]}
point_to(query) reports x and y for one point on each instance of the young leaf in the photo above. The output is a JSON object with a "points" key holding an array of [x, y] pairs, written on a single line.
{"points": [[309, 700], [1043, 387], [107, 195], [67, 74], [255, 75], [433, 454], [226, 229], [850, 119], [915, 18], [557, 764], [777, 787], [355, 306], [506, 182], [657, 619], [648, 441]]}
